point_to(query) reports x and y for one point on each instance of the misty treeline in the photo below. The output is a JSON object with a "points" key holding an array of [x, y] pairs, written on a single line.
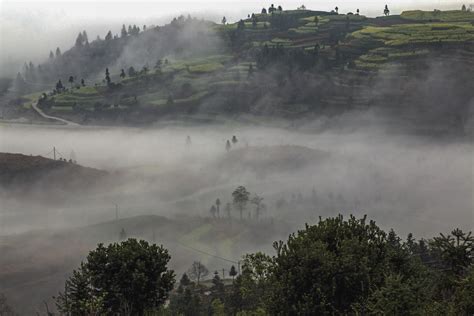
{"points": [[129, 47], [337, 266], [241, 198]]}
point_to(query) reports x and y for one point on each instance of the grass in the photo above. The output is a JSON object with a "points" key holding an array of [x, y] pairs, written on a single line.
{"points": [[206, 68], [428, 33], [375, 48], [444, 16], [30, 99]]}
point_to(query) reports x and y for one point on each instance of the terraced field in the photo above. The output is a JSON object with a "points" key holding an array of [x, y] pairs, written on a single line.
{"points": [[361, 44]]}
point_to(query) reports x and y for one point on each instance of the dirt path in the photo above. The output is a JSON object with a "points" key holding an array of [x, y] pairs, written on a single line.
{"points": [[40, 112]]}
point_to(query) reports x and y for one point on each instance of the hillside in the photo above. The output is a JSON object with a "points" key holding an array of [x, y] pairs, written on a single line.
{"points": [[19, 171], [287, 64]]}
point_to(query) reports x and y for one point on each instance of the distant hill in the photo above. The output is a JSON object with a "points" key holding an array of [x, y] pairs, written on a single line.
{"points": [[19, 171], [288, 64]]}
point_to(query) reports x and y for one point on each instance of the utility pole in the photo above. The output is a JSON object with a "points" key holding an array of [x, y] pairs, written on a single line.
{"points": [[54, 152], [238, 267], [223, 274]]}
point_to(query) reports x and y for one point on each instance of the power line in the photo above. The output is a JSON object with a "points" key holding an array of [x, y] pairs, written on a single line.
{"points": [[207, 253]]}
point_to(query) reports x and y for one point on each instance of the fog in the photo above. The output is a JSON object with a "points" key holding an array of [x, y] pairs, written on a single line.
{"points": [[159, 186], [28, 33], [162, 189], [405, 182]]}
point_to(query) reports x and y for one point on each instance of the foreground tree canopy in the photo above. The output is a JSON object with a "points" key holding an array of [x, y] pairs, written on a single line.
{"points": [[338, 266], [127, 278]]}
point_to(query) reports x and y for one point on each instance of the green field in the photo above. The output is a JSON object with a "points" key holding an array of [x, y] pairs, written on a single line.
{"points": [[367, 44]]}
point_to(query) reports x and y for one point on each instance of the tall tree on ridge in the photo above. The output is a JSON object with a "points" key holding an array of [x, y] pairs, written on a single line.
{"points": [[240, 198]]}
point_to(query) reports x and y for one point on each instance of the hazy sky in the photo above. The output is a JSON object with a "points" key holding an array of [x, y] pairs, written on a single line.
{"points": [[29, 29]]}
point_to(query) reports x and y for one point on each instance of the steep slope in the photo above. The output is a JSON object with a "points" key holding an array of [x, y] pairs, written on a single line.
{"points": [[287, 64]]}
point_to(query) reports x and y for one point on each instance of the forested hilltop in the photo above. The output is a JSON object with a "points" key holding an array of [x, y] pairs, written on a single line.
{"points": [[413, 68]]}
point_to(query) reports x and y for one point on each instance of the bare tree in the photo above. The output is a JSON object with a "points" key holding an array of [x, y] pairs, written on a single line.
{"points": [[197, 271]]}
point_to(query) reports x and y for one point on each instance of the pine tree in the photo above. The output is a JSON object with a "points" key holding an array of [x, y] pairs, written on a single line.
{"points": [[123, 31], [132, 72], [85, 38], [233, 272], [108, 37], [79, 40], [77, 296]]}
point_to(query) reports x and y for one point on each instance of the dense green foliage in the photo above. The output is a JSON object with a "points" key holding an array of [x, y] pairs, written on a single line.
{"points": [[346, 267], [129, 278], [336, 267]]}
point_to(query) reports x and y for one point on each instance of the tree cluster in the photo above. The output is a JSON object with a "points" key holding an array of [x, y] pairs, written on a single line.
{"points": [[336, 267], [127, 278]]}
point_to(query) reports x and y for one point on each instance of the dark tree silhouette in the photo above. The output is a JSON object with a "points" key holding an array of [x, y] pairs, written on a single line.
{"points": [[59, 86], [126, 278], [85, 38], [71, 80], [213, 211], [240, 199], [264, 11], [233, 272], [79, 40], [197, 271], [336, 9], [51, 55], [228, 146], [271, 9], [123, 32], [132, 72], [109, 36], [122, 74], [58, 52], [224, 20], [257, 201], [107, 76]]}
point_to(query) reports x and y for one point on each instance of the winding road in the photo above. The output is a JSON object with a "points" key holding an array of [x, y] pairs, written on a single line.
{"points": [[40, 112]]}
